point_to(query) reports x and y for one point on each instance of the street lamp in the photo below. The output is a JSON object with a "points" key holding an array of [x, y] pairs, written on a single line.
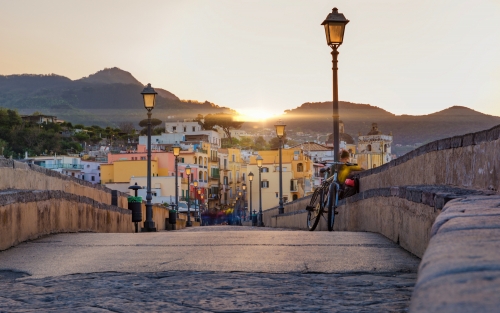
{"points": [[244, 186], [149, 95], [196, 191], [176, 149], [280, 133], [335, 24], [188, 173], [250, 179], [259, 165], [200, 196]]}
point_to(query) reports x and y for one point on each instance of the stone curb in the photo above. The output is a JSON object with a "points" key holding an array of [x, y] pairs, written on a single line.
{"points": [[433, 196], [25, 196], [466, 140]]}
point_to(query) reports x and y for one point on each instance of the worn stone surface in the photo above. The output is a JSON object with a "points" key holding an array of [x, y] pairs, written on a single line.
{"points": [[460, 270], [208, 269], [209, 292]]}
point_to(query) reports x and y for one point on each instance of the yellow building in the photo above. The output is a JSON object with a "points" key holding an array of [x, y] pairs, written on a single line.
{"points": [[120, 171], [296, 177]]}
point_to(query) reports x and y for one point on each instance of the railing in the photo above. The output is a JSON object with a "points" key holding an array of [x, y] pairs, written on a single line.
{"points": [[216, 177], [61, 165], [214, 159]]}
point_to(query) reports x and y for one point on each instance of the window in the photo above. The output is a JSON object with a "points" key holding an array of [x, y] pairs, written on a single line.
{"points": [[92, 178], [143, 158], [225, 180], [194, 128], [369, 147], [88, 165], [174, 128], [184, 128], [265, 170], [243, 176], [265, 184], [300, 167], [234, 158]]}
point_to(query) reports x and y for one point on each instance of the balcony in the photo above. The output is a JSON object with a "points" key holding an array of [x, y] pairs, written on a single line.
{"points": [[61, 165]]}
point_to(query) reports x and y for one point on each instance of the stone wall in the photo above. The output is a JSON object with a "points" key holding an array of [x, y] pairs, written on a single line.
{"points": [[470, 161], [73, 205], [26, 215], [403, 214]]}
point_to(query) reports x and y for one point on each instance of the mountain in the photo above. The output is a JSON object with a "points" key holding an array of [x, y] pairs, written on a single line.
{"points": [[105, 98], [406, 129], [111, 76], [112, 95]]}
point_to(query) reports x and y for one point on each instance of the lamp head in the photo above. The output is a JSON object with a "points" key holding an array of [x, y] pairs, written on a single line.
{"points": [[188, 170], [280, 129], [334, 28], [250, 176], [195, 183], [149, 96], [259, 161], [176, 149]]}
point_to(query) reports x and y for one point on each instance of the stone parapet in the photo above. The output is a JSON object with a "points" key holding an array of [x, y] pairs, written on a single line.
{"points": [[460, 270], [470, 161]]}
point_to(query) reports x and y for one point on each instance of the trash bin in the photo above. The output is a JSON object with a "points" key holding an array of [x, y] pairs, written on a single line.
{"points": [[254, 219], [134, 204], [172, 217]]}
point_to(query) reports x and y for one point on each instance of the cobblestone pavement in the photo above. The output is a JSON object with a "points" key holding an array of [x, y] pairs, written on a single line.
{"points": [[208, 292], [208, 269]]}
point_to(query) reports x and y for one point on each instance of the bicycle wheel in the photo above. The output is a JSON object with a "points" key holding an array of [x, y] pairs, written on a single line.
{"points": [[332, 205], [314, 209]]}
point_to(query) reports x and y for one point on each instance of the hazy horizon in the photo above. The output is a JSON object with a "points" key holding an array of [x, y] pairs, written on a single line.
{"points": [[264, 57]]}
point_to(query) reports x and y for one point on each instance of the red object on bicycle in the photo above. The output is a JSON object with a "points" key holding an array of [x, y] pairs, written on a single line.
{"points": [[349, 182]]}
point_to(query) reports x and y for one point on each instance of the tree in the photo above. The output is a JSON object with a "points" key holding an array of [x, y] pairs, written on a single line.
{"points": [[154, 122], [127, 127], [260, 143], [224, 120], [274, 143], [246, 142]]}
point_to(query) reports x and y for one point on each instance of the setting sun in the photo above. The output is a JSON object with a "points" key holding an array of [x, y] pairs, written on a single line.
{"points": [[255, 115]]}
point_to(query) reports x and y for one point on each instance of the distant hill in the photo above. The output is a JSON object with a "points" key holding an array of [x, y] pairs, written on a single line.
{"points": [[111, 76], [406, 129], [105, 98], [112, 95]]}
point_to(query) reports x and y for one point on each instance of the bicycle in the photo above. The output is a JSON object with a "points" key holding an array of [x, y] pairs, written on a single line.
{"points": [[326, 196]]}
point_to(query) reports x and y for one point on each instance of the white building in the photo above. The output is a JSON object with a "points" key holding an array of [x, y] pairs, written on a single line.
{"points": [[67, 165], [162, 188], [91, 171]]}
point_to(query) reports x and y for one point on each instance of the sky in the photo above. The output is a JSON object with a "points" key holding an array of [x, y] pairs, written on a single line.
{"points": [[261, 57]]}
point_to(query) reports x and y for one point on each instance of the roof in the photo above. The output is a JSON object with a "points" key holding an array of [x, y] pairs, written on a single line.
{"points": [[311, 146]]}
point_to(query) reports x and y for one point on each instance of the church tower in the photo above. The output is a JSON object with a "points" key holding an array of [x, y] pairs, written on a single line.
{"points": [[374, 149]]}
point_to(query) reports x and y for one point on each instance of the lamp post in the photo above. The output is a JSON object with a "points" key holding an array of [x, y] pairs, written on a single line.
{"points": [[196, 192], [334, 29], [280, 133], [188, 173], [149, 95], [200, 196], [250, 179], [176, 149], [244, 187], [259, 165]]}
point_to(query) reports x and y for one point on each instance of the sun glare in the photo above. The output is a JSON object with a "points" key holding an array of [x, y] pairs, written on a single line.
{"points": [[257, 115]]}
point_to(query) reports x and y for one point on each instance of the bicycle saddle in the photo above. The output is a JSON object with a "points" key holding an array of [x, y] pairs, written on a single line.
{"points": [[324, 169]]}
